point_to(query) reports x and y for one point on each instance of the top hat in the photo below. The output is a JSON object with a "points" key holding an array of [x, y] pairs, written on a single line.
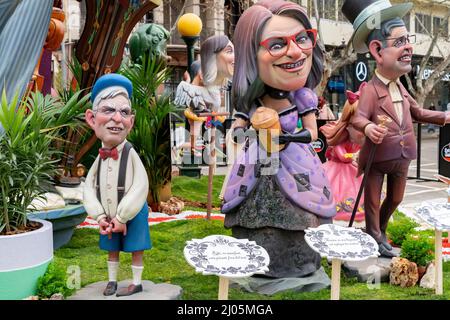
{"points": [[367, 15], [111, 80]]}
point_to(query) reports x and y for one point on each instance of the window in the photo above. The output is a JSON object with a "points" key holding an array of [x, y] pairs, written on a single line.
{"points": [[341, 16], [438, 24], [423, 23], [171, 11], [148, 18], [326, 8]]}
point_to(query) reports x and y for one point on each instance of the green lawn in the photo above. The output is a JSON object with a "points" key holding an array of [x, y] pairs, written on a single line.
{"points": [[194, 189], [165, 262]]}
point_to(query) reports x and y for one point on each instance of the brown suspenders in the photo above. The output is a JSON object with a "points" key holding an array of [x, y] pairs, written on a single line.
{"points": [[122, 174]]}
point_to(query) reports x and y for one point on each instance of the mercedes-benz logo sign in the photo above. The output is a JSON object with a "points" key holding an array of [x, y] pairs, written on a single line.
{"points": [[361, 71]]}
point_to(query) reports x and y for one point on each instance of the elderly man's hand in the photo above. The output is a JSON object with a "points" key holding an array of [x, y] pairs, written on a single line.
{"points": [[105, 227], [376, 133], [119, 227]]}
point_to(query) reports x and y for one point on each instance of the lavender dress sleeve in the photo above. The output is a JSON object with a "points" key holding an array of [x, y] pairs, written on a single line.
{"points": [[306, 101]]}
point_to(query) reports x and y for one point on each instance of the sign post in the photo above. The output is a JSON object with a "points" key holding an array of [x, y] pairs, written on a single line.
{"points": [[437, 215], [340, 244], [227, 258], [212, 155]]}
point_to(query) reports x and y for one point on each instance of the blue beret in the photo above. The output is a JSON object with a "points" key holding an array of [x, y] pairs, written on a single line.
{"points": [[111, 80]]}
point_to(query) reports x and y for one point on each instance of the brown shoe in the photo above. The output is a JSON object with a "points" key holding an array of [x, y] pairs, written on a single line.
{"points": [[131, 289], [110, 289]]}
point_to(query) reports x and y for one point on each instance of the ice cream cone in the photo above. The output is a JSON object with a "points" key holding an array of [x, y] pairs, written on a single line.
{"points": [[267, 123]]}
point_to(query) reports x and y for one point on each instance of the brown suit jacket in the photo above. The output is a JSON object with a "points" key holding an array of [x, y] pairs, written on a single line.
{"points": [[400, 142]]}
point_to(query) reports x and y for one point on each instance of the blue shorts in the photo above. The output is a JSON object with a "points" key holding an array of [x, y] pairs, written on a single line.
{"points": [[137, 238]]}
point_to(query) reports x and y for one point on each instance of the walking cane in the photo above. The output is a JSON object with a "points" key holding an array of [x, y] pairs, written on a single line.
{"points": [[383, 120]]}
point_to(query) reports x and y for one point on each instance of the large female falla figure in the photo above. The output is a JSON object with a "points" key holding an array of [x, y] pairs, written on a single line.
{"points": [[275, 191], [203, 93]]}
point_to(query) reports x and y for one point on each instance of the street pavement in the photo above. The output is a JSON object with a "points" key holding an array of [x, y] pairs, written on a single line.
{"points": [[424, 187]]}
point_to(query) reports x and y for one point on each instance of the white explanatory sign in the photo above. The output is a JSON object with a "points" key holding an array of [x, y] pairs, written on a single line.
{"points": [[436, 214], [346, 244], [340, 244], [226, 256]]}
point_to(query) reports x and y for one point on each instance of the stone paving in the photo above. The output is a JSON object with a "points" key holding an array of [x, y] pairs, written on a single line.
{"points": [[151, 291]]}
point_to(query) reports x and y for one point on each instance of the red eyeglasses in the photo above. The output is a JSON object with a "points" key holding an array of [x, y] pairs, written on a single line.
{"points": [[278, 46]]}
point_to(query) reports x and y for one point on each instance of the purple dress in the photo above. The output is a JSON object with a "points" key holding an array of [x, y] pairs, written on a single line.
{"points": [[274, 208]]}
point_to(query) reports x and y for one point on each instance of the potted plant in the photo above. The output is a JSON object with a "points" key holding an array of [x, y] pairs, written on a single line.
{"points": [[27, 165], [418, 248], [151, 132], [64, 220]]}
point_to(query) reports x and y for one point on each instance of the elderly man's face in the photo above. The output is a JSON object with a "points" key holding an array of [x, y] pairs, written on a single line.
{"points": [[395, 58], [112, 120]]}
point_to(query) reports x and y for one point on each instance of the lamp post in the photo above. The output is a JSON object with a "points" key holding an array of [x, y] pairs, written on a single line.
{"points": [[189, 26]]}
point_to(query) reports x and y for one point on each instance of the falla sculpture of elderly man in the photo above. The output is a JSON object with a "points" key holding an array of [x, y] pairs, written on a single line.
{"points": [[278, 63], [380, 30], [203, 93], [116, 187]]}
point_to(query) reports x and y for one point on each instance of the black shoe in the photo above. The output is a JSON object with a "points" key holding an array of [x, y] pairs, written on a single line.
{"points": [[110, 289], [385, 242], [384, 252], [131, 289], [387, 245]]}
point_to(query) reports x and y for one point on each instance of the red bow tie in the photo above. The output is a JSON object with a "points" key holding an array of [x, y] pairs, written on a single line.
{"points": [[106, 153]]}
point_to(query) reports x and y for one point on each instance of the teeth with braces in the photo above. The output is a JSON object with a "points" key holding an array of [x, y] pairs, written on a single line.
{"points": [[291, 65]]}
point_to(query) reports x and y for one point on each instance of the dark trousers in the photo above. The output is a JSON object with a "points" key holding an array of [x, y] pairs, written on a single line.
{"points": [[377, 217]]}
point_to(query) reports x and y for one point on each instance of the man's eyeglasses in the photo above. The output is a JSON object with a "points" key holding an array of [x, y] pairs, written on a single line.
{"points": [[110, 111], [278, 46], [402, 41]]}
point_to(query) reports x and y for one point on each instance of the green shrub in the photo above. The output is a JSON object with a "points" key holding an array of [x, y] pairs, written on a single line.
{"points": [[53, 281], [398, 229], [418, 248]]}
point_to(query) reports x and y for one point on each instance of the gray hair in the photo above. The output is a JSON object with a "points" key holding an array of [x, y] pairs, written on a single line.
{"points": [[208, 53], [109, 93], [384, 31]]}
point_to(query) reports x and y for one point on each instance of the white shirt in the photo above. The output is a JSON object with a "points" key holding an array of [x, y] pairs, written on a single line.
{"points": [[136, 188], [396, 95]]}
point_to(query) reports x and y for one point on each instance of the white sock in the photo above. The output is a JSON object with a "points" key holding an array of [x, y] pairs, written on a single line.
{"points": [[137, 274], [113, 266]]}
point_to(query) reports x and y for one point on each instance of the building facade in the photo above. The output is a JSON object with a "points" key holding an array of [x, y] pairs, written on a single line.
{"points": [[426, 18], [220, 17]]}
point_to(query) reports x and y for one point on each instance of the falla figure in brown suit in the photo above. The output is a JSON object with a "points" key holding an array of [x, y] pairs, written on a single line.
{"points": [[380, 30]]}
